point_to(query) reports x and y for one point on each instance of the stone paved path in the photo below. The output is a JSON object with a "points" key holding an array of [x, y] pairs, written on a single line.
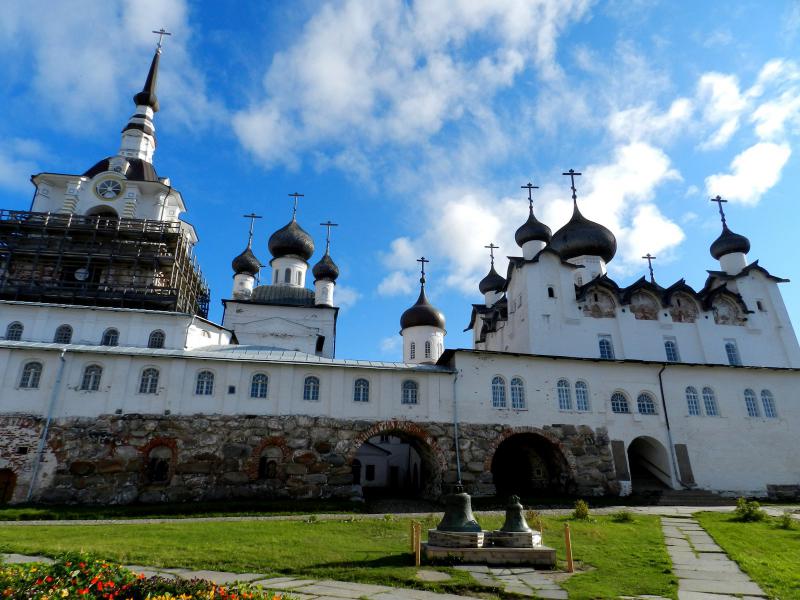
{"points": [[524, 581], [703, 569]]}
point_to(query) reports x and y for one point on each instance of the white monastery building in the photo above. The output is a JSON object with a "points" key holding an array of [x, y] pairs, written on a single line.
{"points": [[115, 387]]}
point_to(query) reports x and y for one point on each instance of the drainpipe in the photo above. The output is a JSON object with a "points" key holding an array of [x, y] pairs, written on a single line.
{"points": [[672, 457], [46, 430], [455, 429]]}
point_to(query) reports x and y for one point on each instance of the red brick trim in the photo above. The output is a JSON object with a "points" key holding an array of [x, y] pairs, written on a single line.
{"points": [[276, 441]]}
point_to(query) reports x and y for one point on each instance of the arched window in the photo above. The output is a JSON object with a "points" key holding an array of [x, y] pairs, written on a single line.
{"points": [[517, 393], [361, 391], [412, 351], [409, 392], [693, 402], [148, 384], [205, 384], [298, 277], [258, 386], [564, 395], [91, 378], [268, 462], [581, 396], [159, 462], [63, 335], [671, 349], [769, 404], [14, 331], [750, 403], [110, 337], [606, 348], [156, 339], [427, 349], [646, 404], [311, 389], [31, 374], [619, 403], [498, 392], [287, 276], [710, 402], [733, 353]]}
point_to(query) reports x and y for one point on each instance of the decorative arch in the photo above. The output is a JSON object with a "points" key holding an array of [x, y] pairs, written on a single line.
{"points": [[159, 442], [274, 441], [644, 305]]}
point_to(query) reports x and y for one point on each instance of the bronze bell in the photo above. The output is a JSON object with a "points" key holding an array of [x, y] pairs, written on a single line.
{"points": [[458, 513], [515, 520]]}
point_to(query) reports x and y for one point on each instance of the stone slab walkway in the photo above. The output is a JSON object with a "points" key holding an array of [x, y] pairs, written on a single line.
{"points": [[525, 581], [703, 569]]}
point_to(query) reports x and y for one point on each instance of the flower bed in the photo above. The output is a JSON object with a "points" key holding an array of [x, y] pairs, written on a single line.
{"points": [[80, 577]]}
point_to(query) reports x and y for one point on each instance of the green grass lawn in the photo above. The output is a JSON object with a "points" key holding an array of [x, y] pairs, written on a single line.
{"points": [[768, 554], [621, 558]]}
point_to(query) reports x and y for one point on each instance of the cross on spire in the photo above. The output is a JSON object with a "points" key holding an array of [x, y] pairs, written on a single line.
{"points": [[719, 200], [252, 217], [295, 195], [530, 187], [650, 258], [161, 33], [327, 224], [572, 173], [492, 247], [422, 262]]}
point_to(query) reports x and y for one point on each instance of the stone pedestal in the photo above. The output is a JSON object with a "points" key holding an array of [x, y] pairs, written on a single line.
{"points": [[516, 539], [541, 556], [456, 539]]}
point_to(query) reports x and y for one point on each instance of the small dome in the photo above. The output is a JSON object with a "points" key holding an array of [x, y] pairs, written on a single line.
{"points": [[729, 242], [246, 262], [580, 237], [532, 229], [493, 282], [291, 239], [423, 313], [325, 269]]}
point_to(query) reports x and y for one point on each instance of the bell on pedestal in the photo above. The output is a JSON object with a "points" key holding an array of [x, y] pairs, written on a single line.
{"points": [[458, 513], [515, 520]]}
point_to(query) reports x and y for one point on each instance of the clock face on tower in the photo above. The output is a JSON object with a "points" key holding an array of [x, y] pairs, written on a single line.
{"points": [[108, 189]]}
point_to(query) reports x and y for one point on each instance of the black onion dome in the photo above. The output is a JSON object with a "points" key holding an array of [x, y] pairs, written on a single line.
{"points": [[291, 240], [423, 313], [325, 269], [246, 262], [493, 282], [532, 229], [729, 242], [580, 237], [136, 169]]}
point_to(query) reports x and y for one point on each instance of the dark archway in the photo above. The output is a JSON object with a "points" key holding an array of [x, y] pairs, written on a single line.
{"points": [[649, 465], [8, 481], [529, 464]]}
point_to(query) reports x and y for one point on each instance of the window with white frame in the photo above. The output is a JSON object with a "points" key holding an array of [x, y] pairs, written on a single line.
{"points": [[646, 404], [31, 374], [671, 350], [361, 390], [258, 385], [498, 392], [427, 349], [606, 347], [156, 339], [564, 395], [733, 353], [619, 403], [517, 393], [91, 378], [63, 335], [410, 392], [693, 402], [768, 402], [581, 396], [204, 386], [412, 351], [710, 402], [110, 337], [148, 384], [750, 403], [14, 331], [311, 389]]}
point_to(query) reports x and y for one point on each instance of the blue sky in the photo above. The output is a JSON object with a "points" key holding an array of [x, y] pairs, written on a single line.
{"points": [[413, 124]]}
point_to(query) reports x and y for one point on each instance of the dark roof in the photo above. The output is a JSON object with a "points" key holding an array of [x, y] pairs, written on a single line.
{"points": [[138, 169], [580, 236], [246, 262], [284, 295], [729, 242], [423, 313], [291, 240], [493, 282], [147, 97], [325, 269], [753, 266], [532, 229]]}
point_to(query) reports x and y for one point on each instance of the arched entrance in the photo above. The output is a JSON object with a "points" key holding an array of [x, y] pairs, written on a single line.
{"points": [[8, 481], [649, 465], [103, 211], [529, 464]]}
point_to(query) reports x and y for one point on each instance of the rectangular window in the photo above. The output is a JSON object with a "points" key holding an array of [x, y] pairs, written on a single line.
{"points": [[369, 473], [606, 347]]}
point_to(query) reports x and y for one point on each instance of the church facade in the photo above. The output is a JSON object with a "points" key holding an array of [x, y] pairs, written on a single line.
{"points": [[117, 388]]}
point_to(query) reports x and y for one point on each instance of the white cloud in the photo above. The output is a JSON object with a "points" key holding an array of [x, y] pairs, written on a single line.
{"points": [[752, 173], [645, 123], [346, 297], [19, 159], [390, 345], [723, 104], [395, 283]]}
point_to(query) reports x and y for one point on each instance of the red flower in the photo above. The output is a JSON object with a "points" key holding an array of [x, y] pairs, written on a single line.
{"points": [[83, 592], [48, 579]]}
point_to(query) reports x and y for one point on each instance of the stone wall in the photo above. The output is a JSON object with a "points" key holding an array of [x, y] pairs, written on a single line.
{"points": [[211, 457]]}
